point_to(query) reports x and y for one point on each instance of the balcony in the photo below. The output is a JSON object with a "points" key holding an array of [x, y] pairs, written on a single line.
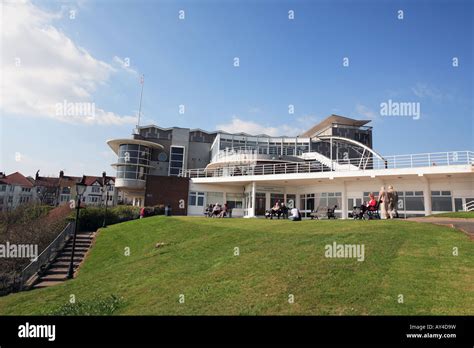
{"points": [[365, 164]]}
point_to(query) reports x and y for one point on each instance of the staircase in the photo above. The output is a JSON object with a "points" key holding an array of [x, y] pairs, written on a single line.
{"points": [[58, 269], [327, 161]]}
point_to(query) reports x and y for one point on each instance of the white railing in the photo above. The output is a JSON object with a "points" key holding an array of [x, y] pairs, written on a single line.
{"points": [[469, 206], [47, 255], [353, 164], [250, 152]]}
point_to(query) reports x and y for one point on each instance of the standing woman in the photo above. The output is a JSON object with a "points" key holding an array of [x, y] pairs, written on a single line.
{"points": [[383, 203]]}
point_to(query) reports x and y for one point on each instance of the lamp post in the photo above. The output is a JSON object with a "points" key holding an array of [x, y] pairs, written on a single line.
{"points": [[106, 188], [80, 189]]}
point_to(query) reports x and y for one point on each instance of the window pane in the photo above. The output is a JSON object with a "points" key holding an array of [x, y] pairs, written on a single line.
{"points": [[441, 204], [415, 203]]}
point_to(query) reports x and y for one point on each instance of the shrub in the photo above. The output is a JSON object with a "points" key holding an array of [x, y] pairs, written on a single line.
{"points": [[92, 218], [27, 224]]}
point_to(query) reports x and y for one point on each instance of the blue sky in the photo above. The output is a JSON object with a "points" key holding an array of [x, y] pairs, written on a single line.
{"points": [[190, 62]]}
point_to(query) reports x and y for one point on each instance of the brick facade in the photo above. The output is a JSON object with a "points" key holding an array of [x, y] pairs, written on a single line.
{"points": [[164, 190]]}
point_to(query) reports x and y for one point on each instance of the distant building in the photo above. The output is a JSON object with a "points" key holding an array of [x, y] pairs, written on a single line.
{"points": [[15, 189], [332, 163]]}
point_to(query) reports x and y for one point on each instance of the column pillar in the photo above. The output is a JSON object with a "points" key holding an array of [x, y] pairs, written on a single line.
{"points": [[252, 201], [344, 200], [426, 195]]}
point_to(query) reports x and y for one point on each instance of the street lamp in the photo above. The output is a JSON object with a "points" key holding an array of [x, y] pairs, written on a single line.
{"points": [[80, 189], [106, 188]]}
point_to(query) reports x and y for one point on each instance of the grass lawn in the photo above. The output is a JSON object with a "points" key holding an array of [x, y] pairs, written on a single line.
{"points": [[277, 258], [458, 214]]}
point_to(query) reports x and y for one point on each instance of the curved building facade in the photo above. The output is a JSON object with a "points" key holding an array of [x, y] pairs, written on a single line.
{"points": [[133, 165]]}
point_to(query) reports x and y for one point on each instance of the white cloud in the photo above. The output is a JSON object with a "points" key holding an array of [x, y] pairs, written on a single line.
{"points": [[125, 64], [423, 90], [365, 111], [238, 125], [42, 67]]}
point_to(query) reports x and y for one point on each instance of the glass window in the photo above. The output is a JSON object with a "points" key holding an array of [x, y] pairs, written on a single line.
{"points": [[458, 204], [215, 197], [276, 197], [176, 160], [290, 200], [441, 204], [234, 200], [415, 203]]}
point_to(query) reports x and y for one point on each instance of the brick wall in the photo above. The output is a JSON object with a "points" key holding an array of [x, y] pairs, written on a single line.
{"points": [[164, 190]]}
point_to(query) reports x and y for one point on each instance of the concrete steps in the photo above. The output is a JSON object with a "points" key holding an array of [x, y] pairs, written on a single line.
{"points": [[58, 269]]}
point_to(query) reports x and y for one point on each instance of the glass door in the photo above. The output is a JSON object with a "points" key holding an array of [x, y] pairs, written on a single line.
{"points": [[260, 198]]}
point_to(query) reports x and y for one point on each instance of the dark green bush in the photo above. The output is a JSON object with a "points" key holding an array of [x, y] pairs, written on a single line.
{"points": [[92, 218]]}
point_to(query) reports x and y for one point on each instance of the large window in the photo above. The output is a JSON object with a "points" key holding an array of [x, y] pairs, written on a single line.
{"points": [[234, 200], [133, 160], [196, 199], [176, 160], [413, 200], [215, 197], [441, 201]]}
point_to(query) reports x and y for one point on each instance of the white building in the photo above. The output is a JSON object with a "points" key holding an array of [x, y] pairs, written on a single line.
{"points": [[333, 163], [15, 189]]}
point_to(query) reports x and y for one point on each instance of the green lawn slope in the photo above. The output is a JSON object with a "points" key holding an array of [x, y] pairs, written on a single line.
{"points": [[277, 258]]}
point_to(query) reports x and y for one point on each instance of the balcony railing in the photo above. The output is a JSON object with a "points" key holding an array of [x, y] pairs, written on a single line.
{"points": [[352, 164], [251, 152]]}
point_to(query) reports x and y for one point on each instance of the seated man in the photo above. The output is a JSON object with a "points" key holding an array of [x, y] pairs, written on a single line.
{"points": [[216, 210], [295, 215]]}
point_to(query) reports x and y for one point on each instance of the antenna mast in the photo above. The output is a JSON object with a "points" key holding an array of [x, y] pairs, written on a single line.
{"points": [[142, 82]]}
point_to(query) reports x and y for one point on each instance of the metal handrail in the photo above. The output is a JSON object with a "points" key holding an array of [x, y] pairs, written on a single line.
{"points": [[353, 164], [469, 206], [47, 255]]}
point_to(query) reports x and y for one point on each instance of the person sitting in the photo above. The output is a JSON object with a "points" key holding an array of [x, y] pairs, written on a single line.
{"points": [[372, 203], [276, 210], [224, 210], [268, 214], [216, 210], [284, 210], [295, 214], [372, 208], [331, 213]]}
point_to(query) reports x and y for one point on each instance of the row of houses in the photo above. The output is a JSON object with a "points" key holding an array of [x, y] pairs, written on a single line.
{"points": [[17, 189]]}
